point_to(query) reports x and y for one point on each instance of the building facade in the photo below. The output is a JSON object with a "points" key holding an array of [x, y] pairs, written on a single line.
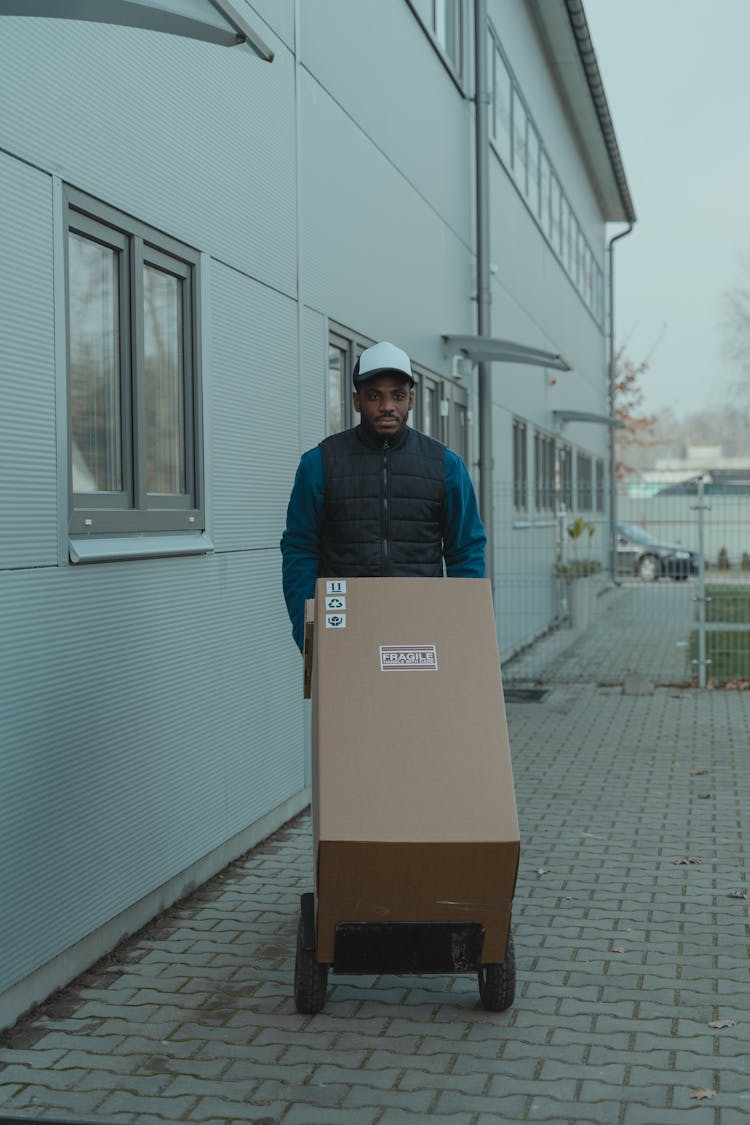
{"points": [[195, 244]]}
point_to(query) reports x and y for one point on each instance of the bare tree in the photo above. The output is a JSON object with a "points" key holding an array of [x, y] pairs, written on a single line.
{"points": [[736, 337]]}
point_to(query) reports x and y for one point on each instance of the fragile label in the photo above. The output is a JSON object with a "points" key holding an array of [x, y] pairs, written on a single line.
{"points": [[335, 621], [336, 586], [407, 657]]}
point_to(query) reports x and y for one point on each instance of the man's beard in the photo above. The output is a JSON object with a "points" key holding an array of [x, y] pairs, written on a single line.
{"points": [[375, 433]]}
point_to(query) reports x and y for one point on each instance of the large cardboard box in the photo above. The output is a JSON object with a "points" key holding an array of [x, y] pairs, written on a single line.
{"points": [[414, 814]]}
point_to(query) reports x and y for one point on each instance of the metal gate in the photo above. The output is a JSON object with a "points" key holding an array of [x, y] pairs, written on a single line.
{"points": [[678, 612]]}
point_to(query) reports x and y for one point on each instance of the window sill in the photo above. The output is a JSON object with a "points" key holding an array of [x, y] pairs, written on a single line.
{"points": [[528, 524], [88, 549]]}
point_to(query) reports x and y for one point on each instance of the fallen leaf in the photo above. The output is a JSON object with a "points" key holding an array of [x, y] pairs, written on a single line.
{"points": [[703, 796], [723, 1023], [617, 949], [688, 859], [703, 1093], [697, 773], [542, 870], [738, 894]]}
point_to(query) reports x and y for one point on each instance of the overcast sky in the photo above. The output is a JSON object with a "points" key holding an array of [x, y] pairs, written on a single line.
{"points": [[677, 79]]}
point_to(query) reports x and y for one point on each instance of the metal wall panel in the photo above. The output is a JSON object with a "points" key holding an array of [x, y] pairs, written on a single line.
{"points": [[195, 139], [376, 255], [277, 15], [313, 378], [146, 719], [254, 410], [28, 470], [418, 118]]}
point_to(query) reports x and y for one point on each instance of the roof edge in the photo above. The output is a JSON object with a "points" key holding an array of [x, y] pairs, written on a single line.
{"points": [[580, 28]]}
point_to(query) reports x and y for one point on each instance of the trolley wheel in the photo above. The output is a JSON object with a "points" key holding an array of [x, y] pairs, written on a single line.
{"points": [[497, 982], [310, 979]]}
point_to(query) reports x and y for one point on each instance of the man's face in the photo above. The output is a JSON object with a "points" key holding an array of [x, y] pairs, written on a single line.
{"points": [[383, 404]]}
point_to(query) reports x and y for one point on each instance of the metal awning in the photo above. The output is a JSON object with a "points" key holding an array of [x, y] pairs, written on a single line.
{"points": [[481, 349], [563, 416], [213, 21]]}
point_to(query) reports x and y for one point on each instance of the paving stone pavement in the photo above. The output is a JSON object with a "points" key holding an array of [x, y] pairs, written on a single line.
{"points": [[625, 958], [639, 627]]}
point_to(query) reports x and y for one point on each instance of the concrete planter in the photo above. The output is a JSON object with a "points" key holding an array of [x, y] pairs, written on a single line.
{"points": [[581, 594]]}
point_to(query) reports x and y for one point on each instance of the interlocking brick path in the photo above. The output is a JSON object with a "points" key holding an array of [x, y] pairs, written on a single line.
{"points": [[624, 958]]}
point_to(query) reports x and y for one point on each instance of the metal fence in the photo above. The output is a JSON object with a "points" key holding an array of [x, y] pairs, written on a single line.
{"points": [[678, 612]]}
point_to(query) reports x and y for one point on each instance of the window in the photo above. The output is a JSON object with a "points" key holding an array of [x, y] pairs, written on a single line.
{"points": [[339, 369], [519, 141], [533, 170], [441, 410], [544, 193], [565, 232], [344, 348], [585, 489], [133, 374], [555, 200], [588, 275], [446, 24], [564, 460], [430, 405], [460, 441], [520, 483], [501, 120], [544, 472], [599, 485]]}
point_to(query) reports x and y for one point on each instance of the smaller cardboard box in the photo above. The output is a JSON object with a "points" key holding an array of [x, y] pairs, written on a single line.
{"points": [[414, 814]]}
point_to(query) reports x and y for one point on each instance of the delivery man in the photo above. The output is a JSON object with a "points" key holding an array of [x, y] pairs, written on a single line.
{"points": [[380, 500]]}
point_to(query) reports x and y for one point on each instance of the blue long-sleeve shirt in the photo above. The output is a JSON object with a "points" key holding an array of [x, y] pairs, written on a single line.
{"points": [[463, 534]]}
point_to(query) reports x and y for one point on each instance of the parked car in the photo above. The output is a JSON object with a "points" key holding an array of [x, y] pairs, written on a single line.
{"points": [[645, 557]]}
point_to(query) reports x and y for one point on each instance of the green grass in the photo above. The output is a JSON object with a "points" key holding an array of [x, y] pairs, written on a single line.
{"points": [[729, 653], [728, 603]]}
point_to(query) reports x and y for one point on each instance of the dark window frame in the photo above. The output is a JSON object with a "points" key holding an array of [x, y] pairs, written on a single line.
{"points": [[131, 509], [454, 11], [584, 482], [565, 468], [599, 485], [520, 466], [544, 472]]}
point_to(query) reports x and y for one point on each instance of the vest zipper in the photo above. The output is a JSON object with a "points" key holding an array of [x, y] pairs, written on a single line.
{"points": [[386, 515]]}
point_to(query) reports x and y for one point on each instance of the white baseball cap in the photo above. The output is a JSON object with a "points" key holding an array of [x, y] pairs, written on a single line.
{"points": [[382, 359]]}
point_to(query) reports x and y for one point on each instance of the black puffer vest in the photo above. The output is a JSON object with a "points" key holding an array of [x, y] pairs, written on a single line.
{"points": [[383, 506]]}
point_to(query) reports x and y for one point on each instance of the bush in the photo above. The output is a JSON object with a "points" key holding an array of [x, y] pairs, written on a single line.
{"points": [[722, 561], [577, 568], [745, 564]]}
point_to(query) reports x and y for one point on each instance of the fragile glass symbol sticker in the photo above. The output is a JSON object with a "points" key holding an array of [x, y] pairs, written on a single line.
{"points": [[335, 621], [335, 603], [408, 657]]}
